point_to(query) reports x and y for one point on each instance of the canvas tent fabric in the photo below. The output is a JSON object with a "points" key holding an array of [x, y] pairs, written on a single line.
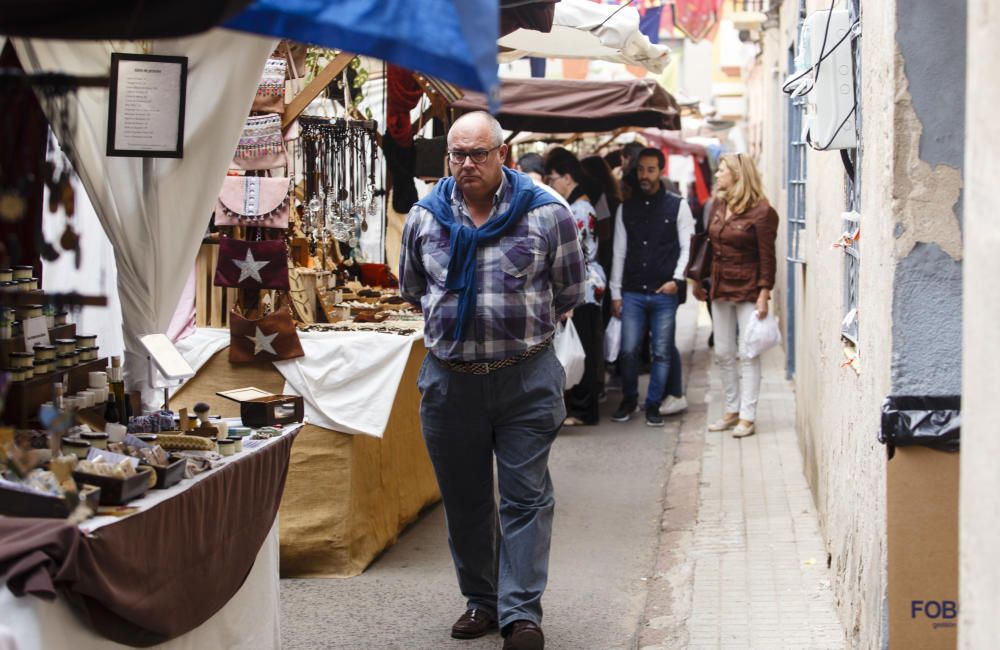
{"points": [[155, 210], [582, 29], [451, 39], [674, 143], [558, 106]]}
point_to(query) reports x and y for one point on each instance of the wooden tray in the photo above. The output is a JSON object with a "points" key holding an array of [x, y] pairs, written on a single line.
{"points": [[14, 503], [169, 475], [117, 491]]}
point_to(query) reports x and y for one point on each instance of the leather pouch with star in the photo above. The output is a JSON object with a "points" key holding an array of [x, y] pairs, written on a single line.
{"points": [[271, 338], [252, 264]]}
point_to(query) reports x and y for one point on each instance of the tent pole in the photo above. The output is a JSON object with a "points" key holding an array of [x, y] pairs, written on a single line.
{"points": [[315, 87], [614, 134]]}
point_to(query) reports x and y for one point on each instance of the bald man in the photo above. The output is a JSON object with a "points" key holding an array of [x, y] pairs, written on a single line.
{"points": [[494, 262]]}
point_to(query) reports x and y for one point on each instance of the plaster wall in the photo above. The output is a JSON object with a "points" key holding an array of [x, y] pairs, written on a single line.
{"points": [[837, 407], [979, 625], [910, 278]]}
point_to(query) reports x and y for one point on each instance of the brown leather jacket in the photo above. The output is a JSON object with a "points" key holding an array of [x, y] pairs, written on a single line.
{"points": [[743, 259]]}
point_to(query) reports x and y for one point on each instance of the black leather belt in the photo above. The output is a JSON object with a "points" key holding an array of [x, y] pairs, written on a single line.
{"points": [[486, 367]]}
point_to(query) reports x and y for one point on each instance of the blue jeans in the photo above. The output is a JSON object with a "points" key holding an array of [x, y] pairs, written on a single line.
{"points": [[658, 313], [501, 557]]}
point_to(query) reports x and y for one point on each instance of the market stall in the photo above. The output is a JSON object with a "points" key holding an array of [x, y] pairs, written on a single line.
{"points": [[359, 471], [194, 565]]}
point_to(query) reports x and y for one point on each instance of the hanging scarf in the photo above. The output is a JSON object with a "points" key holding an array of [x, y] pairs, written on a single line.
{"points": [[465, 240]]}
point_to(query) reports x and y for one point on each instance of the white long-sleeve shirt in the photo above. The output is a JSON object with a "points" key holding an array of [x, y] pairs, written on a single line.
{"points": [[685, 228]]}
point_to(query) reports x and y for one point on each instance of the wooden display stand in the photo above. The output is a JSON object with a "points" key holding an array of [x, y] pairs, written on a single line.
{"points": [[347, 497], [25, 397]]}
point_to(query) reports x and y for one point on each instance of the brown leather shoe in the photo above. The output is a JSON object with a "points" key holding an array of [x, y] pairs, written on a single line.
{"points": [[473, 624], [524, 635]]}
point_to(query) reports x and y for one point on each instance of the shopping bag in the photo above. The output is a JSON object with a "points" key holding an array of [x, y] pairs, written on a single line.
{"points": [[612, 339], [569, 351], [762, 334]]}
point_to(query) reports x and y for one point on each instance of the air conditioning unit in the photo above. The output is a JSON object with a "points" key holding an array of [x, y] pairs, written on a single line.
{"points": [[748, 20], [831, 99]]}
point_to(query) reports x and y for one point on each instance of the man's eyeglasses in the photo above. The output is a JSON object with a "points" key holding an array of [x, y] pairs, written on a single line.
{"points": [[457, 157]]}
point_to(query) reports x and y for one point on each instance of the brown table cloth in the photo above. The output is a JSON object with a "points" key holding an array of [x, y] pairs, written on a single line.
{"points": [[348, 496], [153, 576]]}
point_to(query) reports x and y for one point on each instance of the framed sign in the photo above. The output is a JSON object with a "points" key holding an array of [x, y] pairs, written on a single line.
{"points": [[146, 106]]}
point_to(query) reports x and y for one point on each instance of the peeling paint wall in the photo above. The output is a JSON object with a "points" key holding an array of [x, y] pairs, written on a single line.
{"points": [[927, 206], [979, 555]]}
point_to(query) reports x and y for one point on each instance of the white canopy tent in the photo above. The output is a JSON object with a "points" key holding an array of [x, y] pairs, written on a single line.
{"points": [[582, 29], [155, 210]]}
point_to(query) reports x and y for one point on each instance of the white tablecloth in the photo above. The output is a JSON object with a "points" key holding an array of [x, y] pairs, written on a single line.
{"points": [[251, 620], [347, 380]]}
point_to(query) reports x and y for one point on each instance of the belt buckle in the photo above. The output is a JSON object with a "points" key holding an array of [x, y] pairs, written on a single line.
{"points": [[481, 368]]}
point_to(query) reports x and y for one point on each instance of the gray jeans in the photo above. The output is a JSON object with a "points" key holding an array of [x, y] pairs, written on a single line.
{"points": [[468, 419]]}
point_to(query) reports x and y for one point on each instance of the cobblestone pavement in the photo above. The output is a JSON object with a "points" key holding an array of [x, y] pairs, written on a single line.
{"points": [[742, 562]]}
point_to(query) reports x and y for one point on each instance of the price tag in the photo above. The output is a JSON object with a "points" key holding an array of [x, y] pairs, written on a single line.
{"points": [[36, 332]]}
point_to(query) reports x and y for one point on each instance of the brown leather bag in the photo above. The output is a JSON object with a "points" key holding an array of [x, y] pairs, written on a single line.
{"points": [[699, 266], [271, 338]]}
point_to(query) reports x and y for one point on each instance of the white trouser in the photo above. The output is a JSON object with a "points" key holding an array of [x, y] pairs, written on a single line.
{"points": [[741, 385]]}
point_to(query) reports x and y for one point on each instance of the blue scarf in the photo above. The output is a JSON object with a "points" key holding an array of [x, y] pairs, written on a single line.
{"points": [[465, 239]]}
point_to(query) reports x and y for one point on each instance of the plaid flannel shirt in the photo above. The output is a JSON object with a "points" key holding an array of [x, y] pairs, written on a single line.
{"points": [[526, 280]]}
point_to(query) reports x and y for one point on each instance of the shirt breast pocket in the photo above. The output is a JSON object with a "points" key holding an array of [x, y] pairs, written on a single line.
{"points": [[520, 258]]}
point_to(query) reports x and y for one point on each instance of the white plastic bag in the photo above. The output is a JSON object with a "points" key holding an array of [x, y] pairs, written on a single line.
{"points": [[762, 334], [612, 339], [569, 351]]}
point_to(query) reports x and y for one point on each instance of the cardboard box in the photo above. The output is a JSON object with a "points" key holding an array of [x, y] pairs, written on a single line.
{"points": [[922, 531]]}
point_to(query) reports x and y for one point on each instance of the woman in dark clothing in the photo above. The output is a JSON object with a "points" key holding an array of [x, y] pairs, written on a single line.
{"points": [[565, 175], [605, 195]]}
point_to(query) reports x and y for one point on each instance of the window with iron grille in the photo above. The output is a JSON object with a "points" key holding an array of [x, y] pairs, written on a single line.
{"points": [[795, 155], [852, 220]]}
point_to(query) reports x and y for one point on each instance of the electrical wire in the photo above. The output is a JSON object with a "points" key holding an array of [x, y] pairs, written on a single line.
{"points": [[824, 53], [613, 13]]}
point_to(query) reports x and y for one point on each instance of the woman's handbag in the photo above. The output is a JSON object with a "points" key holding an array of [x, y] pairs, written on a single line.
{"points": [[270, 97], [256, 201], [252, 264], [271, 338], [262, 145], [699, 266]]}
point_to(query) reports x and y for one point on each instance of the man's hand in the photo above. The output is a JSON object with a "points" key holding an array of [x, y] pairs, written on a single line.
{"points": [[669, 288], [616, 308], [762, 298], [568, 315]]}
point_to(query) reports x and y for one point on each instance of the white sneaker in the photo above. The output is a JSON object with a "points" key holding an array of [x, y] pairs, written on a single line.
{"points": [[673, 405]]}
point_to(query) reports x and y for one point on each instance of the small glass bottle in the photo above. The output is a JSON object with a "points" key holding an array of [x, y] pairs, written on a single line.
{"points": [[116, 385], [111, 413]]}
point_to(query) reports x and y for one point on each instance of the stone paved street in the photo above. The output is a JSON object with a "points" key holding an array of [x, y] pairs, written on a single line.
{"points": [[742, 563]]}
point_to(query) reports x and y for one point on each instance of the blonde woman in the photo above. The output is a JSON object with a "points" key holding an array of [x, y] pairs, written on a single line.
{"points": [[742, 228]]}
